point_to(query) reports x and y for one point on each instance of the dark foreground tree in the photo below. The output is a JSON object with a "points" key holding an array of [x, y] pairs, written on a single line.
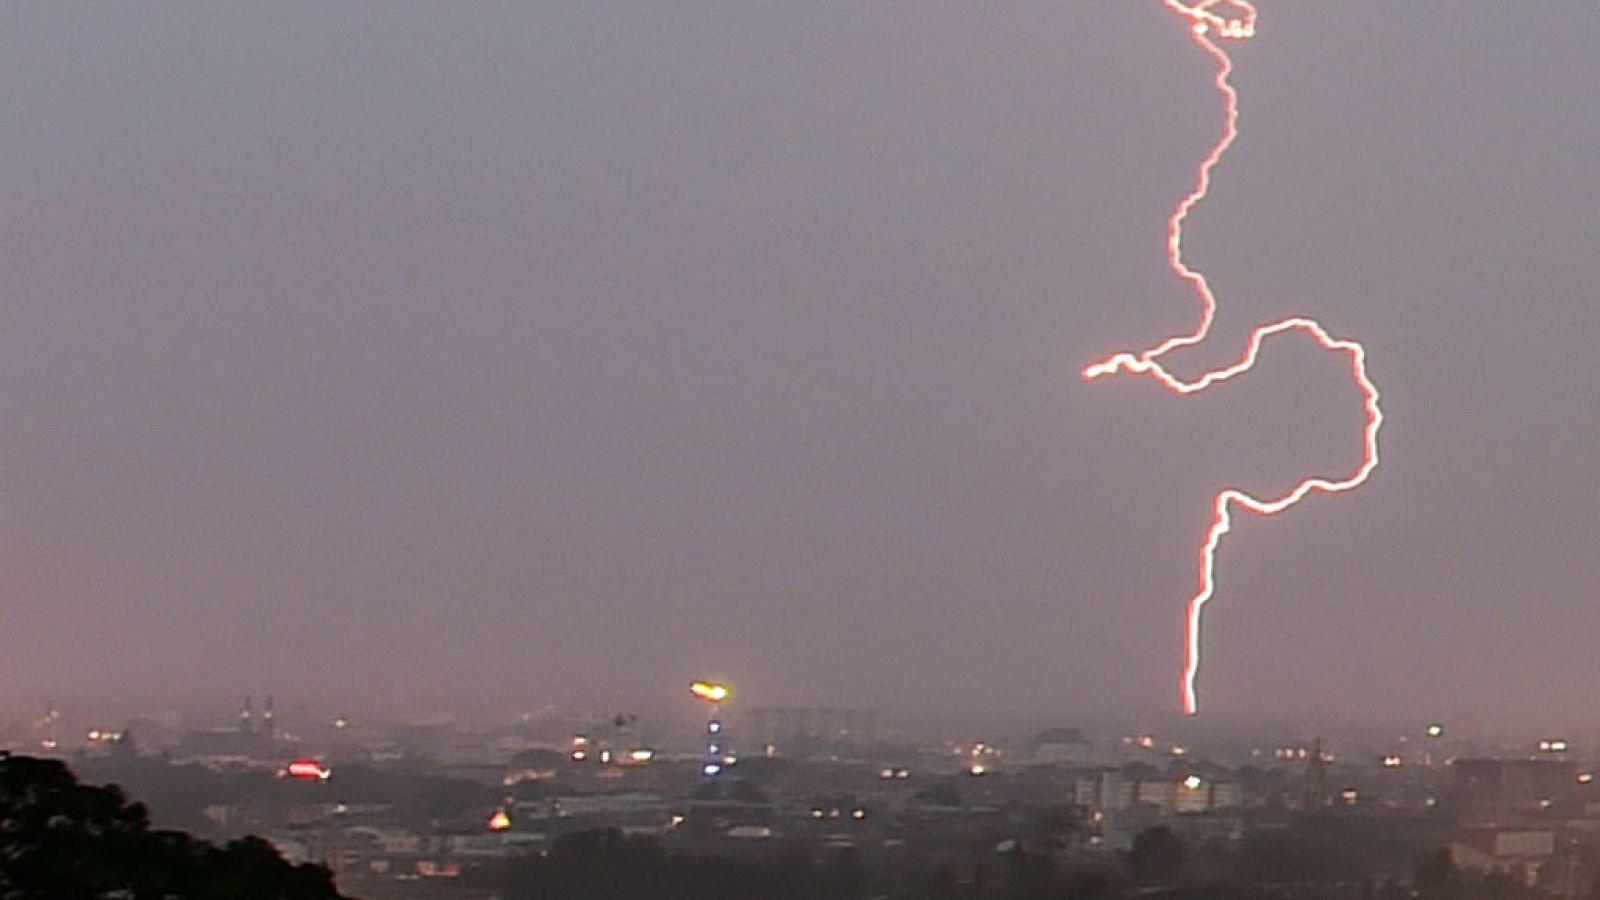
{"points": [[1156, 857], [60, 839]]}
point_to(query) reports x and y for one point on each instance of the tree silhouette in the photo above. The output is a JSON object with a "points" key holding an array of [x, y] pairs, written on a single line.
{"points": [[59, 838], [1436, 875], [1156, 857]]}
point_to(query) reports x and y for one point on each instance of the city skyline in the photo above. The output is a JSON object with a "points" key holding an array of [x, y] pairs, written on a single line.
{"points": [[563, 352]]}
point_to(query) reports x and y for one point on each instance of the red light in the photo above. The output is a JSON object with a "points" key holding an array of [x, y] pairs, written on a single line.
{"points": [[307, 768]]}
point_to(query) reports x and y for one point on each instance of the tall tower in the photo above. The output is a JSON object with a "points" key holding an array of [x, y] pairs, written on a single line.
{"points": [[1316, 789], [269, 728], [247, 717], [716, 742]]}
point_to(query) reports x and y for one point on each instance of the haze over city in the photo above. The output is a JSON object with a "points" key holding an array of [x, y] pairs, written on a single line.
{"points": [[561, 353]]}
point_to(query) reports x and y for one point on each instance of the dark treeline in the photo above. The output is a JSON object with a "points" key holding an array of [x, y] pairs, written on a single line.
{"points": [[607, 865]]}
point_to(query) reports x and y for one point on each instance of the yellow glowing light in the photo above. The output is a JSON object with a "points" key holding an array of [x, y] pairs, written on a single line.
{"points": [[706, 690], [500, 821], [1204, 21], [1192, 782]]}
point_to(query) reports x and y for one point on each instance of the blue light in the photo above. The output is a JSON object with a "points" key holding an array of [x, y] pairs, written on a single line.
{"points": [[711, 769]]}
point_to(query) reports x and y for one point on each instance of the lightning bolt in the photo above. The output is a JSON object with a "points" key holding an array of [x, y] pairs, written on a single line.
{"points": [[1208, 26]]}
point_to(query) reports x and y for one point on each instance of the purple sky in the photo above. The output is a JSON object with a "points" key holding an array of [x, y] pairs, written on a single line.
{"points": [[560, 352]]}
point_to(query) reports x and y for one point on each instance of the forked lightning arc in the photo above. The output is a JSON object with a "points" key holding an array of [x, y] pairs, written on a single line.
{"points": [[1212, 21]]}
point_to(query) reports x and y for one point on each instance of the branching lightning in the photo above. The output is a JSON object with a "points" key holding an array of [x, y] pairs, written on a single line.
{"points": [[1208, 27]]}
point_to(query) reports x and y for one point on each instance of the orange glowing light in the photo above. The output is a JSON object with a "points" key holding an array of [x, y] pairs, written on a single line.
{"points": [[705, 690], [500, 821], [1207, 25]]}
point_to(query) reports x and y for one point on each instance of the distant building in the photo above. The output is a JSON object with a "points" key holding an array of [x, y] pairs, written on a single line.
{"points": [[249, 741], [1110, 791], [810, 729], [1515, 852], [1057, 746], [1494, 789]]}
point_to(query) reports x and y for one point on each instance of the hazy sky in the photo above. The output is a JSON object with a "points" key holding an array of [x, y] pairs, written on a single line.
{"points": [[561, 352]]}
